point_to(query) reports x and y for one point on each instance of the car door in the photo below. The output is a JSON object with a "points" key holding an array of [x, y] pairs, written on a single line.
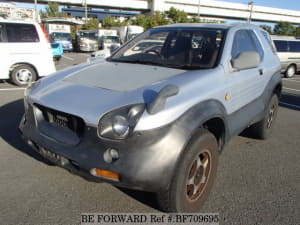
{"points": [[250, 82]]}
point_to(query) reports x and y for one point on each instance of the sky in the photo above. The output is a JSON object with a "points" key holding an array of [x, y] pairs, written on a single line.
{"points": [[284, 4]]}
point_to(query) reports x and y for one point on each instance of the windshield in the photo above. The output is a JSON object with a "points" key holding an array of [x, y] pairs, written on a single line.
{"points": [[188, 48], [90, 36], [111, 39], [60, 36]]}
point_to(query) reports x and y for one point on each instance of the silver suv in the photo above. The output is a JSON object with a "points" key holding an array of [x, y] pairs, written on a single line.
{"points": [[155, 117]]}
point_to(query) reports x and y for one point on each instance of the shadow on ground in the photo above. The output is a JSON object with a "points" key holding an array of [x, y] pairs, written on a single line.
{"points": [[11, 114], [291, 101]]}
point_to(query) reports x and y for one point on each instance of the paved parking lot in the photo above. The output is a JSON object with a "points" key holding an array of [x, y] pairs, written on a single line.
{"points": [[258, 182]]}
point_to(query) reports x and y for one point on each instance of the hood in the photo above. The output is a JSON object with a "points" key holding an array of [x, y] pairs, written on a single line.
{"points": [[91, 90], [122, 77]]}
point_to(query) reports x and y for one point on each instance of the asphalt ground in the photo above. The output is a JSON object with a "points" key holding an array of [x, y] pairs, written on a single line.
{"points": [[257, 182]]}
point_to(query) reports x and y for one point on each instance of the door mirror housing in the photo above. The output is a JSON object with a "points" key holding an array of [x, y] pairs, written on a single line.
{"points": [[246, 60]]}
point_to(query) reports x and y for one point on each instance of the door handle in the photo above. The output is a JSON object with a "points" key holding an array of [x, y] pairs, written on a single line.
{"points": [[261, 72]]}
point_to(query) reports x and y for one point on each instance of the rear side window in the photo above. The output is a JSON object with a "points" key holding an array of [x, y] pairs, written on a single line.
{"points": [[294, 46], [268, 39], [281, 46], [21, 33], [242, 43]]}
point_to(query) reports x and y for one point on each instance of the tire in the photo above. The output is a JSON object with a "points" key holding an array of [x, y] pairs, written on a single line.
{"points": [[22, 75], [263, 129], [193, 177], [290, 71]]}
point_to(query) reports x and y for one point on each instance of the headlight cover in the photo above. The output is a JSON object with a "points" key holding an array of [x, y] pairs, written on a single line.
{"points": [[119, 124]]}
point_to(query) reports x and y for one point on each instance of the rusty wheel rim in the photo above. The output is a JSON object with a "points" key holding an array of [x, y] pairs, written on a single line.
{"points": [[198, 175]]}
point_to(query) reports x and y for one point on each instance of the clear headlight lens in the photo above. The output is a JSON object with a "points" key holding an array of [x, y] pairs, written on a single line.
{"points": [[120, 123], [120, 126]]}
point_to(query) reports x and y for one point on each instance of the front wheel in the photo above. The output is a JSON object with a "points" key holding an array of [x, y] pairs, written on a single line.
{"points": [[22, 75], [193, 177]]}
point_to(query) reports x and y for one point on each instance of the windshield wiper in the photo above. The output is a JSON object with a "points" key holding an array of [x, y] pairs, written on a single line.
{"points": [[162, 64]]}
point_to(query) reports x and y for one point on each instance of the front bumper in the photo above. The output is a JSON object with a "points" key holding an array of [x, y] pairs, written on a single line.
{"points": [[146, 160]]}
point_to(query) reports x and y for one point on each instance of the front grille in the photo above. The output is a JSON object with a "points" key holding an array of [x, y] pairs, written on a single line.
{"points": [[62, 120]]}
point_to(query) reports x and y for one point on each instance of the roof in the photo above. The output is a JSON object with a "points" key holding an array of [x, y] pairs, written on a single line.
{"points": [[25, 21], [209, 25]]}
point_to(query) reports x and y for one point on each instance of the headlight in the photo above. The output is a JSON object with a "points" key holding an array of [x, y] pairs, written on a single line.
{"points": [[120, 126], [120, 123]]}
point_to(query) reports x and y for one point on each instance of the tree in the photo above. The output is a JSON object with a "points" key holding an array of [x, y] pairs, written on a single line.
{"points": [[111, 22], [52, 10], [284, 28], [267, 28], [91, 24], [177, 16]]}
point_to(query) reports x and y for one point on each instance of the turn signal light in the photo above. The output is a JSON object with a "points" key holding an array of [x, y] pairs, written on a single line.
{"points": [[107, 174]]}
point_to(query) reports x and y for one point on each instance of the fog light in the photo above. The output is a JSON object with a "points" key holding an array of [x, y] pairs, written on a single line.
{"points": [[110, 155], [106, 174]]}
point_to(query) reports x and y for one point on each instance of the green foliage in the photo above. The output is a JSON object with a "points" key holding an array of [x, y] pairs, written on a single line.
{"points": [[52, 10], [111, 22], [177, 16], [195, 20], [91, 24], [158, 19], [284, 28], [267, 28], [297, 31]]}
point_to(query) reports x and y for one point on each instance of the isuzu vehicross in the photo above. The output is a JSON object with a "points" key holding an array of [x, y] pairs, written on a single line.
{"points": [[155, 117]]}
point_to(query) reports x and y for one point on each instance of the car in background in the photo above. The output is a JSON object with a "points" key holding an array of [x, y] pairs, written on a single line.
{"points": [[288, 51], [25, 52], [86, 40], [57, 51]]}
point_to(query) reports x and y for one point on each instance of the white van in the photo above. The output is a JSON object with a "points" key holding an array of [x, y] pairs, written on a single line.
{"points": [[288, 50], [25, 52]]}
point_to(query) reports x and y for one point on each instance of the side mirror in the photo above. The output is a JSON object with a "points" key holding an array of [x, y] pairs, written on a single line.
{"points": [[246, 60], [113, 48], [159, 102]]}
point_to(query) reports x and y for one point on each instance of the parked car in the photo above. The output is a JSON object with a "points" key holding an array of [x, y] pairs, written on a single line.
{"points": [[157, 121], [86, 40], [288, 50], [57, 51], [25, 52]]}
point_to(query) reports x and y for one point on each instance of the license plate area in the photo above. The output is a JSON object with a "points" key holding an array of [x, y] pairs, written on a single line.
{"points": [[53, 157]]}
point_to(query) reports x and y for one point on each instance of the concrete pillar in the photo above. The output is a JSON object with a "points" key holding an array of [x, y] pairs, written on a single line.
{"points": [[156, 5]]}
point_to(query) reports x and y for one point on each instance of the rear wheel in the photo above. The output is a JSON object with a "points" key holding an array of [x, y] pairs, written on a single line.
{"points": [[290, 71], [263, 128], [22, 75], [194, 176]]}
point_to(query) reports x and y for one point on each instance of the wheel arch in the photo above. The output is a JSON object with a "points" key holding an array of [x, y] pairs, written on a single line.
{"points": [[277, 90], [292, 64], [23, 63], [210, 115]]}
